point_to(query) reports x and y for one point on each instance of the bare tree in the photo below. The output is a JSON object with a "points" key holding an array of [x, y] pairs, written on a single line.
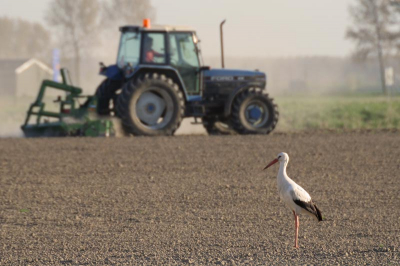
{"points": [[373, 31], [122, 12], [76, 23], [23, 39], [394, 35]]}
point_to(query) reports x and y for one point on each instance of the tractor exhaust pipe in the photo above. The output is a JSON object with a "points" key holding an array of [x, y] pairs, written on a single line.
{"points": [[222, 43]]}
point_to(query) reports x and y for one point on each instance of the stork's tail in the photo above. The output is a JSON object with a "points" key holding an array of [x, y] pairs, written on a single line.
{"points": [[318, 213]]}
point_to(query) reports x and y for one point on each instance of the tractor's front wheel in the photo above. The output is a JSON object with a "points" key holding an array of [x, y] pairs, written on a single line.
{"points": [[151, 105], [254, 113]]}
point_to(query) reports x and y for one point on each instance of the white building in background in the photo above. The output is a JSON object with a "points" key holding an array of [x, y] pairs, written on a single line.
{"points": [[22, 77]]}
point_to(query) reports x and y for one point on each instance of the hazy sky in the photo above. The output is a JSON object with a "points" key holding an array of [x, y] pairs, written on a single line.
{"points": [[253, 27]]}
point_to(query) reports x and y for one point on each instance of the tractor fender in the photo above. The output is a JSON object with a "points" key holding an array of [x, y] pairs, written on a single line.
{"points": [[166, 70], [112, 72], [232, 96]]}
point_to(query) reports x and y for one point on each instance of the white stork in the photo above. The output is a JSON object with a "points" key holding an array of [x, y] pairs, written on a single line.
{"points": [[295, 197]]}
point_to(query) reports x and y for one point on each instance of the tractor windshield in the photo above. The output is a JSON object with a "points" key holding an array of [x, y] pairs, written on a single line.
{"points": [[129, 49]]}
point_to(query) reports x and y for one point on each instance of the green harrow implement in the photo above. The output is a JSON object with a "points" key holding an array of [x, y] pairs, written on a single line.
{"points": [[73, 118]]}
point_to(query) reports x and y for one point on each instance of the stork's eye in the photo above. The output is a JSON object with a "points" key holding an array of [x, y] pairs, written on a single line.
{"points": [[279, 156]]}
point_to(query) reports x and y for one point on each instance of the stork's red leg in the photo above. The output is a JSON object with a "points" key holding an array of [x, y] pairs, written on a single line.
{"points": [[296, 243], [296, 225]]}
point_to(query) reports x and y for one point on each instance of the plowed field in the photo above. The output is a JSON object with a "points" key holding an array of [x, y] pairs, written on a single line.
{"points": [[198, 200]]}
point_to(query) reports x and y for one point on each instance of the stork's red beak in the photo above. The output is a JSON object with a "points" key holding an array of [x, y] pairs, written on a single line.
{"points": [[271, 163]]}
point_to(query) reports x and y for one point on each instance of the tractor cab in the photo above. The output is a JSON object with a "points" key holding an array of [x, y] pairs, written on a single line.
{"points": [[162, 47]]}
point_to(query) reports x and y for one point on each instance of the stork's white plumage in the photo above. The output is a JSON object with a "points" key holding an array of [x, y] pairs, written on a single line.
{"points": [[295, 197]]}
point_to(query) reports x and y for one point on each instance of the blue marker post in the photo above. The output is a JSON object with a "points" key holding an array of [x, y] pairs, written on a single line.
{"points": [[56, 65]]}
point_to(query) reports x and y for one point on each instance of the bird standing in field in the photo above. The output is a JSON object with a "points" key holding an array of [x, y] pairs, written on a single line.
{"points": [[295, 197]]}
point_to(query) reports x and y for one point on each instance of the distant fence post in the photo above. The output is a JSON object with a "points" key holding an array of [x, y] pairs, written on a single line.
{"points": [[389, 79]]}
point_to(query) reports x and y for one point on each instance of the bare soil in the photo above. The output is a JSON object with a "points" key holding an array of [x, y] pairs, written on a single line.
{"points": [[198, 200]]}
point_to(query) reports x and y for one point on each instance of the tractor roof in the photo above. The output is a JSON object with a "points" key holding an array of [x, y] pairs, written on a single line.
{"points": [[156, 28]]}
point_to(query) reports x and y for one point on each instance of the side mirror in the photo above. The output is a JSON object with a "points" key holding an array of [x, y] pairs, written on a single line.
{"points": [[205, 68]]}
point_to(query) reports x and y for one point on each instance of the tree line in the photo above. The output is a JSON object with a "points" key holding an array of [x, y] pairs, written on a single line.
{"points": [[23, 39]]}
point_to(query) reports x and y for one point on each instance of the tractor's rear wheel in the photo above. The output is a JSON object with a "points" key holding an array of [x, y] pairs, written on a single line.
{"points": [[106, 96], [151, 105], [254, 113]]}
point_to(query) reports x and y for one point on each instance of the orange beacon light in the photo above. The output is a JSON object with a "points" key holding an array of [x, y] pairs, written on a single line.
{"points": [[146, 23]]}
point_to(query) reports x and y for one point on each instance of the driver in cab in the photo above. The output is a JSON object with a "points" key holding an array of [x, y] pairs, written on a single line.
{"points": [[149, 53]]}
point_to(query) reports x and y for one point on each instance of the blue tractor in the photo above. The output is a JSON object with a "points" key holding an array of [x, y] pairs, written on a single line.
{"points": [[158, 80]]}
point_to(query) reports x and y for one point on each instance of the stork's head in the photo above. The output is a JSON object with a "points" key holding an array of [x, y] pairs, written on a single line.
{"points": [[282, 157]]}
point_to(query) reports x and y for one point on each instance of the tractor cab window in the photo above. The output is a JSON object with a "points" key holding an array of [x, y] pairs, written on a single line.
{"points": [[129, 49], [184, 57], [153, 51], [183, 50]]}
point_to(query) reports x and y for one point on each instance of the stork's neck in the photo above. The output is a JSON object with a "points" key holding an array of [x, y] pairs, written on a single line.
{"points": [[282, 171]]}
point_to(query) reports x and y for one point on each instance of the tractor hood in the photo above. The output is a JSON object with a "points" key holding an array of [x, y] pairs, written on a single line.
{"points": [[227, 81], [229, 75]]}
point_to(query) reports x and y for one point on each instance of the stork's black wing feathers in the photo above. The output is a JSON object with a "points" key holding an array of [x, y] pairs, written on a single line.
{"points": [[310, 207]]}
